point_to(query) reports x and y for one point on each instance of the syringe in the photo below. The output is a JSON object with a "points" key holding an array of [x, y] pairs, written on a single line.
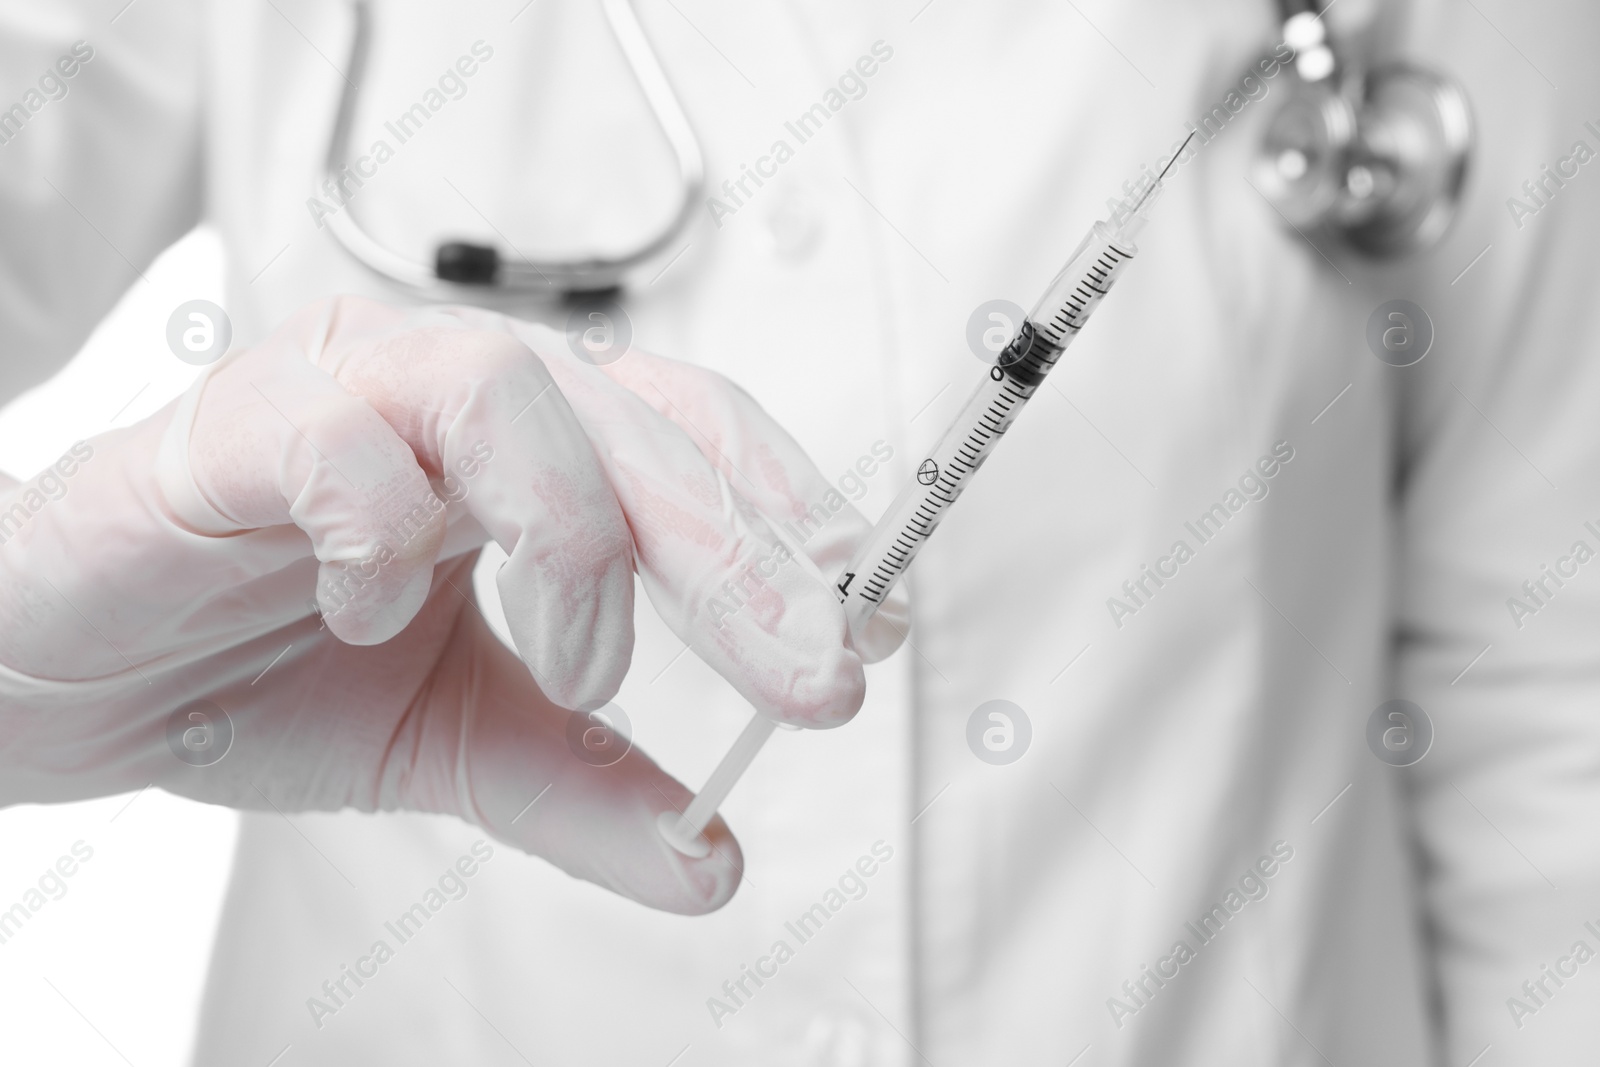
{"points": [[882, 559]]}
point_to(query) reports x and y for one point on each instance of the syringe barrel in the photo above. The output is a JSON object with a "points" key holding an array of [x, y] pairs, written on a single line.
{"points": [[1072, 297], [1074, 294]]}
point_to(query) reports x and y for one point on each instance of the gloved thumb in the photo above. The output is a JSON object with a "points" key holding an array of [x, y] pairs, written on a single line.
{"points": [[495, 751]]}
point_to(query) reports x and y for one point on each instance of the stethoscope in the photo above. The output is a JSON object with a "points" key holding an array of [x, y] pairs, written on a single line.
{"points": [[1375, 159]]}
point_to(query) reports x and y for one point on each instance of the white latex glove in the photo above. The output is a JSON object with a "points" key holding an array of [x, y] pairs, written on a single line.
{"points": [[186, 552]]}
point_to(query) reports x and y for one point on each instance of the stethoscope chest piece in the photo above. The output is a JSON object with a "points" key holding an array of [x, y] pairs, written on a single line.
{"points": [[1376, 160], [1415, 138], [1383, 173]]}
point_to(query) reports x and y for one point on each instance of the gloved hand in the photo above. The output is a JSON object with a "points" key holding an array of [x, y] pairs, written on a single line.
{"points": [[184, 554]]}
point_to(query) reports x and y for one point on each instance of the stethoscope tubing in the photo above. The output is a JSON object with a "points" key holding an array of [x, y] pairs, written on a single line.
{"points": [[516, 273]]}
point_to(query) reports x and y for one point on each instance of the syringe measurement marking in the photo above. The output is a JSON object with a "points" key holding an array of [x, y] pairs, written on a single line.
{"points": [[948, 487], [961, 465], [990, 425], [1072, 315]]}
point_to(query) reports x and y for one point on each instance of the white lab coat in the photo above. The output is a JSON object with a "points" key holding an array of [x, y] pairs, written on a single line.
{"points": [[1217, 727]]}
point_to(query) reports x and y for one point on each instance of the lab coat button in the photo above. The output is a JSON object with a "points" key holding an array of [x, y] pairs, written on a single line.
{"points": [[794, 227]]}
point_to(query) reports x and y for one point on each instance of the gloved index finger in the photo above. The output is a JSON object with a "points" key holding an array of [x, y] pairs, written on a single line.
{"points": [[483, 414], [712, 563], [768, 466], [270, 440]]}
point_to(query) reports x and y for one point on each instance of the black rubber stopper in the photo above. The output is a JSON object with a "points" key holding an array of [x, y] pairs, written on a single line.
{"points": [[1028, 358]]}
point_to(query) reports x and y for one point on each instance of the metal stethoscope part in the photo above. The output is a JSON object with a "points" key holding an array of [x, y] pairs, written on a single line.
{"points": [[1377, 159], [462, 266]]}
